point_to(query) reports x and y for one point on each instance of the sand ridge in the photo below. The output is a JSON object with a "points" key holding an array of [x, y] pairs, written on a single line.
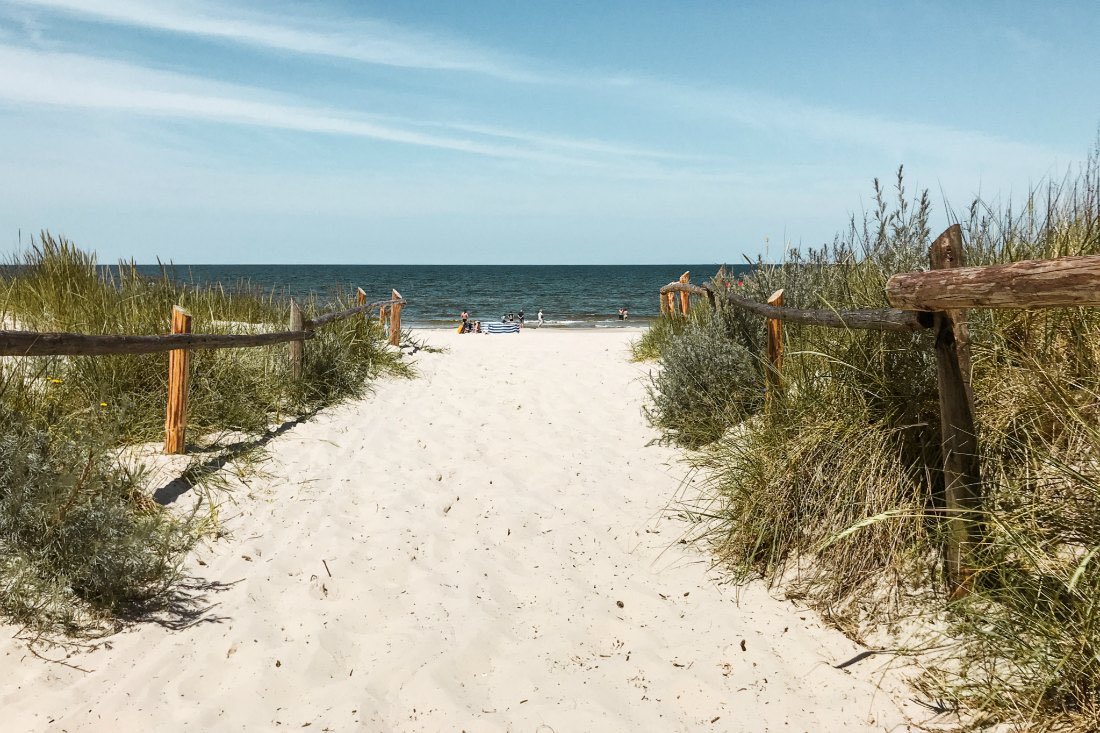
{"points": [[483, 548]]}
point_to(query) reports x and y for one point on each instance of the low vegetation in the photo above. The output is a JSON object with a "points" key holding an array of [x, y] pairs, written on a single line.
{"points": [[839, 475], [81, 545]]}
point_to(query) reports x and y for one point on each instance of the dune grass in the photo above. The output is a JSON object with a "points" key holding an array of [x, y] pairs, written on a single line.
{"points": [[80, 544], [840, 476]]}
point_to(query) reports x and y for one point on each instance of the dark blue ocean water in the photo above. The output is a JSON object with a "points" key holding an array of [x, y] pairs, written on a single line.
{"points": [[569, 295]]}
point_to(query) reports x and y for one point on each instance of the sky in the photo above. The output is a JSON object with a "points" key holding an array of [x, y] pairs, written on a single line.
{"points": [[497, 132]]}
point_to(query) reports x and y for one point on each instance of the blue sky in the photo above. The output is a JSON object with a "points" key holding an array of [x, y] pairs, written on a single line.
{"points": [[504, 132]]}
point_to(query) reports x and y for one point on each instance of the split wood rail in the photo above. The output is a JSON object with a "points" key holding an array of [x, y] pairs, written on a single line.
{"points": [[936, 299], [180, 342], [685, 289]]}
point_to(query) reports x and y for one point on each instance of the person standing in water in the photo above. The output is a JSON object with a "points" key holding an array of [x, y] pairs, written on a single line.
{"points": [[540, 316]]}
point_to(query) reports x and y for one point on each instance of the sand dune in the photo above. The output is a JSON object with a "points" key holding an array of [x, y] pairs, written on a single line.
{"points": [[482, 549]]}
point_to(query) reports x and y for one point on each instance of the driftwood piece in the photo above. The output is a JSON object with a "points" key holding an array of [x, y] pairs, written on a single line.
{"points": [[1061, 282], [775, 346], [679, 287], [297, 323], [175, 419], [395, 318], [884, 319], [33, 343], [947, 253], [961, 464], [314, 323], [685, 297]]}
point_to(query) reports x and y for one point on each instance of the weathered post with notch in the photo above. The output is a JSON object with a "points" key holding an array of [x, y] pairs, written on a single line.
{"points": [[775, 347], [297, 323], [360, 296], [961, 464], [685, 297], [175, 421], [395, 320]]}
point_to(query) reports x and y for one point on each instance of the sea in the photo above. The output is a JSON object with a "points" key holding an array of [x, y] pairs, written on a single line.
{"points": [[570, 296]]}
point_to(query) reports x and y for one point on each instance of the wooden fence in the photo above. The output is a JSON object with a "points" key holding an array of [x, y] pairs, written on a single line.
{"points": [[181, 341], [936, 299]]}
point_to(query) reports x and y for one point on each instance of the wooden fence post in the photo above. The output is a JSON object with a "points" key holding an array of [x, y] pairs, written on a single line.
{"points": [[296, 324], [360, 296], [395, 320], [775, 347], [947, 253], [175, 421], [961, 466], [685, 297], [671, 298], [664, 302]]}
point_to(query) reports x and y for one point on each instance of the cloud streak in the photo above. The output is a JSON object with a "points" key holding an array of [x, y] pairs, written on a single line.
{"points": [[71, 80], [368, 41], [379, 43]]}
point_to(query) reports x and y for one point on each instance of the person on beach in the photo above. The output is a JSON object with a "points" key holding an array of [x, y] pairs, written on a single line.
{"points": [[521, 318], [626, 314], [540, 316], [465, 320], [621, 312]]}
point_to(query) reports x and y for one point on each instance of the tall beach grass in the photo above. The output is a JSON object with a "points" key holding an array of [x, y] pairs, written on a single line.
{"points": [[81, 544], [836, 487]]}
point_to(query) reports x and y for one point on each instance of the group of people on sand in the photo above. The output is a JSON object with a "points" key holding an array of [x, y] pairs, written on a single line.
{"points": [[469, 326]]}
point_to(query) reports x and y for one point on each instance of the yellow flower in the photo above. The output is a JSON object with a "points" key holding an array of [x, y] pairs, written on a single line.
{"points": [[102, 404], [55, 380]]}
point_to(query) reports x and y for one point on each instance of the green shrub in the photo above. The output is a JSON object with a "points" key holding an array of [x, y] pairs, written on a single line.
{"points": [[79, 542], [706, 382], [845, 469]]}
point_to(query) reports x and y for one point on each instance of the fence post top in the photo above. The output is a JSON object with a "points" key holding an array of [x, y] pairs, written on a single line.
{"points": [[181, 310], [946, 251]]}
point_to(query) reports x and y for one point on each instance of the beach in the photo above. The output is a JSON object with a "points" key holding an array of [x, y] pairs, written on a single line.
{"points": [[491, 546]]}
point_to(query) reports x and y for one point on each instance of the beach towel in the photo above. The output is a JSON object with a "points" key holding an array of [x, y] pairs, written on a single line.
{"points": [[500, 327]]}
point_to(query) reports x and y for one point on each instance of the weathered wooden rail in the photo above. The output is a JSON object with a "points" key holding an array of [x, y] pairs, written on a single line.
{"points": [[935, 299], [181, 341]]}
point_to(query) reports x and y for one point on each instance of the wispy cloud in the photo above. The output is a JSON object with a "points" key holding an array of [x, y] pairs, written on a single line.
{"points": [[366, 41], [71, 80], [371, 41], [794, 119]]}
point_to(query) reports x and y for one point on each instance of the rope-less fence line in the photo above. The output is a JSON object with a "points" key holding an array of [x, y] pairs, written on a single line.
{"points": [[181, 341], [936, 299]]}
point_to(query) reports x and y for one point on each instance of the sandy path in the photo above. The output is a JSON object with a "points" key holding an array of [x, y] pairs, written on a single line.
{"points": [[482, 525]]}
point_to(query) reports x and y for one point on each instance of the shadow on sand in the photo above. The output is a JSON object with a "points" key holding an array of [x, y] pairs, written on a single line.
{"points": [[198, 472]]}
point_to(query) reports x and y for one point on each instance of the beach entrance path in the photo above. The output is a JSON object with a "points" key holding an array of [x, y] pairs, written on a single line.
{"points": [[483, 548]]}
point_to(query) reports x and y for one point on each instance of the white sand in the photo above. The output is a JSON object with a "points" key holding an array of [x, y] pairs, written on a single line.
{"points": [[481, 525]]}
